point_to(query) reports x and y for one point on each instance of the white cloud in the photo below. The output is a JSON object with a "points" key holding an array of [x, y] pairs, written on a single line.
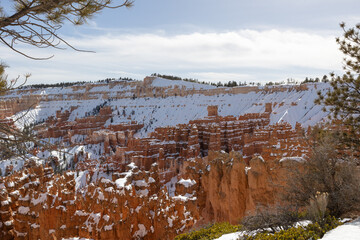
{"points": [[214, 56]]}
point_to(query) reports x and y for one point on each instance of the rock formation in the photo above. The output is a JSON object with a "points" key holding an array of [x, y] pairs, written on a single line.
{"points": [[36, 204], [117, 185]]}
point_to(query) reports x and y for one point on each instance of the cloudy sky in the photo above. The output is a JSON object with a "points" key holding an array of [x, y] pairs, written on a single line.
{"points": [[252, 40]]}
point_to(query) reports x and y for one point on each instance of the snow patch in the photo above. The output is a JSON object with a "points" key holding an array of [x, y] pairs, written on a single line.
{"points": [[141, 232], [23, 210], [187, 182], [297, 159]]}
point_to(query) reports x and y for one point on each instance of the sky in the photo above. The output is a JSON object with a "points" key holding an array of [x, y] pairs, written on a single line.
{"points": [[228, 40]]}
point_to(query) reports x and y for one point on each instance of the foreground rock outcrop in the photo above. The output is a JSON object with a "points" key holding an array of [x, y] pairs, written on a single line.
{"points": [[135, 204]]}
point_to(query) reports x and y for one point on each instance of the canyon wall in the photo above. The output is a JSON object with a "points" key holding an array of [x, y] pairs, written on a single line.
{"points": [[223, 168]]}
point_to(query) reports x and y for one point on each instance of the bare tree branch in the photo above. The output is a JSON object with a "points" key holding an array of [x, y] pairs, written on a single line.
{"points": [[37, 22]]}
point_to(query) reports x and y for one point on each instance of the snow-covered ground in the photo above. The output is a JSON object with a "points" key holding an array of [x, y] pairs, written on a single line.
{"points": [[348, 231], [231, 236], [161, 82]]}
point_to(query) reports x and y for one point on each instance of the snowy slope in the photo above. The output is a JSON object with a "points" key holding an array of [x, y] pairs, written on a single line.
{"points": [[348, 231], [161, 82], [291, 106]]}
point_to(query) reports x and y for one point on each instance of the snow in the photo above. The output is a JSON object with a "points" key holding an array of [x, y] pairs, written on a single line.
{"points": [[26, 198], [42, 198], [120, 183], [20, 234], [303, 223], [8, 223], [101, 195], [93, 218], [108, 227], [161, 82], [143, 192], [187, 182], [132, 165], [106, 217], [348, 231], [80, 213], [170, 222], [96, 217], [109, 189], [231, 236], [23, 210], [141, 232], [297, 159], [34, 225], [286, 112], [63, 208], [171, 186], [16, 162], [99, 175], [76, 238], [141, 183], [261, 158], [184, 198], [105, 180], [138, 209], [80, 180]]}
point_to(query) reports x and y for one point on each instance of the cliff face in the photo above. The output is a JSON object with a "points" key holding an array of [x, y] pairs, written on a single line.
{"points": [[229, 188], [118, 184]]}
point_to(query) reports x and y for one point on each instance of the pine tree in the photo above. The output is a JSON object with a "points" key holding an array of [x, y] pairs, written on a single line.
{"points": [[344, 97]]}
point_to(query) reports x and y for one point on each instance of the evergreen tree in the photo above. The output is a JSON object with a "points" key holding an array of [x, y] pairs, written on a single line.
{"points": [[344, 97], [325, 78]]}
